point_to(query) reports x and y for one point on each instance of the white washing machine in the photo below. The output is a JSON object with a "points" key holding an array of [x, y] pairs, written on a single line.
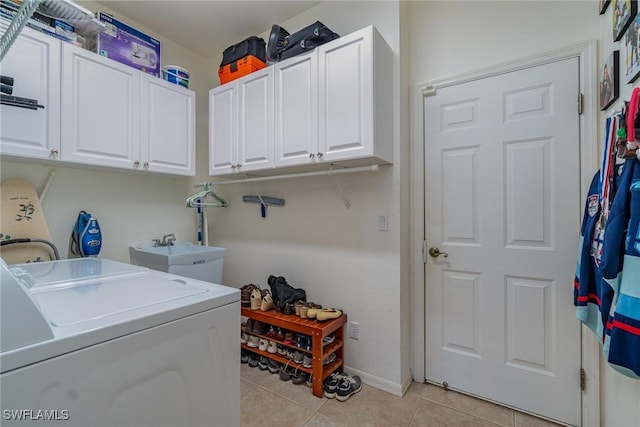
{"points": [[92, 342]]}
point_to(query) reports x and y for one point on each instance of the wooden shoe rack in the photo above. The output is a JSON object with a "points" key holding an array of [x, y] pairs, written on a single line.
{"points": [[316, 330]]}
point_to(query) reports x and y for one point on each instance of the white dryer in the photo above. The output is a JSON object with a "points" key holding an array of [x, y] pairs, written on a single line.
{"points": [[92, 342]]}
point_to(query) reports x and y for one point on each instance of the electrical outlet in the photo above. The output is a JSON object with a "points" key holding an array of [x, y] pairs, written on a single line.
{"points": [[353, 330]]}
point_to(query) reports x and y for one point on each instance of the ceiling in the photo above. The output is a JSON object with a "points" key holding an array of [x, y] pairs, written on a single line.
{"points": [[208, 27]]}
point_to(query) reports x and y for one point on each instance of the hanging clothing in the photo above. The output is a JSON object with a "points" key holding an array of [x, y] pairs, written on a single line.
{"points": [[620, 268]]}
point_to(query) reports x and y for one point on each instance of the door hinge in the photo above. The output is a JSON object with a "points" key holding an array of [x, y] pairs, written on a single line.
{"points": [[428, 91], [580, 102], [583, 379], [424, 251]]}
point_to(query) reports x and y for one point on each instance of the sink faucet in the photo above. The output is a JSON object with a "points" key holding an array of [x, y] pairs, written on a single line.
{"points": [[168, 239]]}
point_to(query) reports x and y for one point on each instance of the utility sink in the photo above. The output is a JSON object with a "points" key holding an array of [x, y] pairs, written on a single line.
{"points": [[185, 259]]}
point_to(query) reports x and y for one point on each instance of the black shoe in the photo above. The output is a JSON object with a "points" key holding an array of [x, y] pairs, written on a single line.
{"points": [[273, 366], [253, 360], [244, 356], [348, 386], [263, 364]]}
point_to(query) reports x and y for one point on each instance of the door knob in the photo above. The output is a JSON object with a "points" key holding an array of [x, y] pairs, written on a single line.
{"points": [[435, 253]]}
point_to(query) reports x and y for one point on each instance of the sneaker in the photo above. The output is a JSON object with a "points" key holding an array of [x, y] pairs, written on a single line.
{"points": [[348, 387], [273, 347], [254, 360], [274, 367], [264, 343], [245, 294], [307, 361], [330, 358], [328, 339], [282, 350], [263, 364], [327, 314], [244, 356], [331, 384], [259, 328], [298, 356], [253, 341], [299, 377]]}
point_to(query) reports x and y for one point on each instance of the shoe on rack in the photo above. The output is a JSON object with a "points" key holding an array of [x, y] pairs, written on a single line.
{"points": [[256, 299], [299, 377], [307, 361], [348, 386], [267, 302], [328, 339], [274, 367], [244, 356], [253, 360], [282, 350], [328, 314], [286, 371], [244, 338], [330, 358], [259, 328], [248, 328], [245, 294], [263, 344], [298, 356], [253, 341], [331, 384], [263, 364], [272, 347]]}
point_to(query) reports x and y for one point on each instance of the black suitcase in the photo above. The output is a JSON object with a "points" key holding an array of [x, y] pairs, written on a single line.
{"points": [[253, 45], [283, 45]]}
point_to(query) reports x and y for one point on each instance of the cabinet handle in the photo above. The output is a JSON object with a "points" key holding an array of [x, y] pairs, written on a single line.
{"points": [[146, 165], [136, 164], [54, 153], [319, 155], [311, 156], [233, 166]]}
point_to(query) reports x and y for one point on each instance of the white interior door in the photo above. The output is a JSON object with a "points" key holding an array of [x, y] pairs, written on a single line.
{"points": [[502, 198]]}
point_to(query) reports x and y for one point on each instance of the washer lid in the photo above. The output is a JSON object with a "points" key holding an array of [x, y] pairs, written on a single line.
{"points": [[90, 300]]}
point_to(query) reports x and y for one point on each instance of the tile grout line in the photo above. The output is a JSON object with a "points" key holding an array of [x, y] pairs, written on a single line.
{"points": [[475, 417]]}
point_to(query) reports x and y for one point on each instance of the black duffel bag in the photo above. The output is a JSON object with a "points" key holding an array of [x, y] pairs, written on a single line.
{"points": [[283, 293], [283, 45], [253, 45]]}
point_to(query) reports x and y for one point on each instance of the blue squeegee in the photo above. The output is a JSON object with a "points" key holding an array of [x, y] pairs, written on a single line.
{"points": [[264, 201]]}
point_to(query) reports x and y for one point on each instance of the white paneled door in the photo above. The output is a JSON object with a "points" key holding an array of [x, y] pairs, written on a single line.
{"points": [[503, 206]]}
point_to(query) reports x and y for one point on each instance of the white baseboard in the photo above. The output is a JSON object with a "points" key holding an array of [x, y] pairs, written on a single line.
{"points": [[379, 383]]}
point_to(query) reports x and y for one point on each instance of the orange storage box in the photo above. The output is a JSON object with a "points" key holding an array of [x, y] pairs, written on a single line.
{"points": [[239, 68]]}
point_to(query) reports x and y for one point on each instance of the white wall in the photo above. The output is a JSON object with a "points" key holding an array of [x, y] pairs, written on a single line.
{"points": [[131, 207], [453, 37], [336, 254]]}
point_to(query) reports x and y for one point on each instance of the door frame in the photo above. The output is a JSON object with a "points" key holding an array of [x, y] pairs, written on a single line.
{"points": [[586, 52]]}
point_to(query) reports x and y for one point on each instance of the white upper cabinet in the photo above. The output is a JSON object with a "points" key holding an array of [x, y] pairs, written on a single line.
{"points": [[296, 110], [241, 125], [97, 111], [167, 133], [34, 63], [223, 119], [100, 110], [355, 105], [331, 105]]}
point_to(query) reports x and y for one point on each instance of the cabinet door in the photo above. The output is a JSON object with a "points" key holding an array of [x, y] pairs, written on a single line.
{"points": [[100, 110], [167, 133], [346, 96], [222, 129], [255, 121], [296, 110], [34, 63]]}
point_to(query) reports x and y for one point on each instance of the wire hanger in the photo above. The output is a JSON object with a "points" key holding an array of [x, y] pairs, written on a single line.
{"points": [[199, 199]]}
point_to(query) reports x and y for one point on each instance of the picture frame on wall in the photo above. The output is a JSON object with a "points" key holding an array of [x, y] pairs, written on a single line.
{"points": [[608, 80], [622, 14], [631, 52], [602, 6]]}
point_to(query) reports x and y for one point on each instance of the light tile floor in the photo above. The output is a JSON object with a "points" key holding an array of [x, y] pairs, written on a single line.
{"points": [[268, 401]]}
